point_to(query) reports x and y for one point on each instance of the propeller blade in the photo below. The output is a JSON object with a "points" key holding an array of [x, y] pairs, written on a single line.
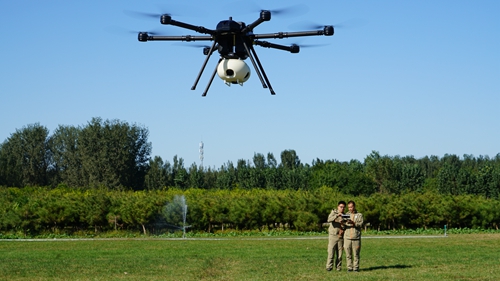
{"points": [[192, 45], [148, 32], [137, 14], [312, 25], [295, 10], [122, 30], [310, 45], [246, 7]]}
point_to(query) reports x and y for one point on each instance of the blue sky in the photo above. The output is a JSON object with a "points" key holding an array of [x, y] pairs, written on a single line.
{"points": [[400, 77]]}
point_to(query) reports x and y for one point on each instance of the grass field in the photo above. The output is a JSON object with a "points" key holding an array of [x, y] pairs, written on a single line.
{"points": [[456, 257]]}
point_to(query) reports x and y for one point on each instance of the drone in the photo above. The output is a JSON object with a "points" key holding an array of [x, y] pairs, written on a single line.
{"points": [[235, 43]]}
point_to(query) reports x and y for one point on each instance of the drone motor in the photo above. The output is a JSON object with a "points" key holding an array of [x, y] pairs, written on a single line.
{"points": [[233, 71]]}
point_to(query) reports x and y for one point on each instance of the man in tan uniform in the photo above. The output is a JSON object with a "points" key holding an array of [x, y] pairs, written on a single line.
{"points": [[335, 237], [352, 236]]}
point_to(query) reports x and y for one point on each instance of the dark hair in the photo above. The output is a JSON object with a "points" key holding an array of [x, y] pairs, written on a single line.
{"points": [[342, 202], [351, 202]]}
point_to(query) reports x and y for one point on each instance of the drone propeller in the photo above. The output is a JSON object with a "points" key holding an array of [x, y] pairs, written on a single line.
{"points": [[137, 14], [246, 7], [148, 32], [295, 10], [123, 30], [313, 25], [192, 45], [206, 48], [310, 45]]}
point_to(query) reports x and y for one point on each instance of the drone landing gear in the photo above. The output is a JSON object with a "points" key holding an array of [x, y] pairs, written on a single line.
{"points": [[211, 78], [258, 67], [203, 68], [262, 69]]}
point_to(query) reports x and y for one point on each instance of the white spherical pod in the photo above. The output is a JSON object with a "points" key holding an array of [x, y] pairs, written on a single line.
{"points": [[233, 71]]}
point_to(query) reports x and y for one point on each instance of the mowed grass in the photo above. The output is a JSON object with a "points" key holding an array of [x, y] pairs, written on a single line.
{"points": [[456, 257]]}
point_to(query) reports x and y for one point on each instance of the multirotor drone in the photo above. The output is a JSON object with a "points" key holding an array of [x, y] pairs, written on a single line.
{"points": [[234, 41]]}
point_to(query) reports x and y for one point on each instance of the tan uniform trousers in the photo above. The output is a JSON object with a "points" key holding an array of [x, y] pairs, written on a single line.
{"points": [[352, 249], [335, 249]]}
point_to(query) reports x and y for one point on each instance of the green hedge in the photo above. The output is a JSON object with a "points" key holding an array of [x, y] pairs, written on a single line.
{"points": [[68, 210]]}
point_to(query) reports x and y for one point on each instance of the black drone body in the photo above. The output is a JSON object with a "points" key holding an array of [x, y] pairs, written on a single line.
{"points": [[235, 43]]}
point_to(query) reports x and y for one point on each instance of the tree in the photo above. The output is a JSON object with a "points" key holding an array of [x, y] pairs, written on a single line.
{"points": [[196, 179], [412, 178], [385, 171], [486, 184], [209, 178], [289, 159], [179, 173], [156, 177], [257, 173], [95, 207], [448, 175], [272, 174], [114, 154], [243, 174], [272, 163], [67, 156], [226, 176], [139, 208], [430, 166], [25, 157]]}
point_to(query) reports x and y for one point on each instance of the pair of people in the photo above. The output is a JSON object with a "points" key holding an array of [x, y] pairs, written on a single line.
{"points": [[344, 232]]}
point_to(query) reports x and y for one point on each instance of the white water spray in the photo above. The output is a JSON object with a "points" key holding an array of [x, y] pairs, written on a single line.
{"points": [[175, 214]]}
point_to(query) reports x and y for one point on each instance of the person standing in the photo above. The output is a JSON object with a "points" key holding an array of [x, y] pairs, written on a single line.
{"points": [[352, 237], [335, 237]]}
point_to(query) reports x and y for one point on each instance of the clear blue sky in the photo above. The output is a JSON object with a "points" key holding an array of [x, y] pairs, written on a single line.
{"points": [[402, 77]]}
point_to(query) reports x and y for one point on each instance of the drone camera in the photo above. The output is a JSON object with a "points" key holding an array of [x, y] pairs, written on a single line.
{"points": [[328, 30], [233, 71], [165, 19]]}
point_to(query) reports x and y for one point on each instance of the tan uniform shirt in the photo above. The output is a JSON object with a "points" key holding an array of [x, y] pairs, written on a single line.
{"points": [[353, 232], [335, 219]]}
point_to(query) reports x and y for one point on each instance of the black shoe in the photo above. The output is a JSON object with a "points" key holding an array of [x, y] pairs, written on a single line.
{"points": [[328, 269], [349, 270], [356, 270]]}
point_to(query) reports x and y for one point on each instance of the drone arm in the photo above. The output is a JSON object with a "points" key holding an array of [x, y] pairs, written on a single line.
{"points": [[166, 19], [144, 36], [292, 49], [327, 31], [264, 16]]}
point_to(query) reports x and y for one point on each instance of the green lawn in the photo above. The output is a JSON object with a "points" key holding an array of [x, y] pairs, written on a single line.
{"points": [[457, 257]]}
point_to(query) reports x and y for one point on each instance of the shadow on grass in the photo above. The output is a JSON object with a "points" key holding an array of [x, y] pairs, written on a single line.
{"points": [[397, 266]]}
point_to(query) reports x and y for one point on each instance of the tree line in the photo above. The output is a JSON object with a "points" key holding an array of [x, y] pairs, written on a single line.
{"points": [[37, 210], [117, 155], [102, 153]]}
